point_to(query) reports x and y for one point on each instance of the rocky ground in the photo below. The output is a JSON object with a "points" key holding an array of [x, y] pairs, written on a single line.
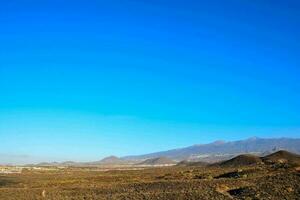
{"points": [[184, 182]]}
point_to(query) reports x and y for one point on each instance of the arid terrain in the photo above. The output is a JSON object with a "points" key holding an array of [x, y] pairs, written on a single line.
{"points": [[246, 177]]}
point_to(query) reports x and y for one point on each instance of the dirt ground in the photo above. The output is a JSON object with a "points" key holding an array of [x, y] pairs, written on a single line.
{"points": [[256, 182]]}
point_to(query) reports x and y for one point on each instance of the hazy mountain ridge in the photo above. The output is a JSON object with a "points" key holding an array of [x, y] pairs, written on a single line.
{"points": [[212, 152], [226, 149], [110, 160]]}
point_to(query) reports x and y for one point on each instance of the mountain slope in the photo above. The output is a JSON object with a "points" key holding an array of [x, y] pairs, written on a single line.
{"points": [[110, 160], [158, 161], [221, 148]]}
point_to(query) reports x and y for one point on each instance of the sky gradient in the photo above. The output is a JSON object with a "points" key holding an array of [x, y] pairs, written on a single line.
{"points": [[80, 80]]}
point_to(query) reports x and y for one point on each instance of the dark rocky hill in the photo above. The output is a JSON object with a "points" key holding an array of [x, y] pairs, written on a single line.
{"points": [[242, 160], [282, 157]]}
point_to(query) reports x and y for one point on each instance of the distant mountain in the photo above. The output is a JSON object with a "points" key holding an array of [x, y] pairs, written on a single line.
{"points": [[221, 150], [69, 163], [158, 161], [110, 160], [47, 164], [204, 153]]}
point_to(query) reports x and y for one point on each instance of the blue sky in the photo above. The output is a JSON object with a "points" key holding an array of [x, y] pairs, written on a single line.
{"points": [[80, 80]]}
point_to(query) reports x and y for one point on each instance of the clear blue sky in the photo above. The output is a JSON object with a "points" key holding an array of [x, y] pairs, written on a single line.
{"points": [[80, 80]]}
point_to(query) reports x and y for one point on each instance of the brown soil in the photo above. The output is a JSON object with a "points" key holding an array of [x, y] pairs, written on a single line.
{"points": [[246, 182]]}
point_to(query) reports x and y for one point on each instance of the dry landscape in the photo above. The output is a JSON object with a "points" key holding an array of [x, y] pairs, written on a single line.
{"points": [[275, 176], [149, 99]]}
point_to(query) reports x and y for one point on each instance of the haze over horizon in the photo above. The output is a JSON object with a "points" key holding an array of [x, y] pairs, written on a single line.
{"points": [[84, 80]]}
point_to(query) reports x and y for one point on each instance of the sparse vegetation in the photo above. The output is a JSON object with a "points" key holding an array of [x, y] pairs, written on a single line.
{"points": [[235, 181]]}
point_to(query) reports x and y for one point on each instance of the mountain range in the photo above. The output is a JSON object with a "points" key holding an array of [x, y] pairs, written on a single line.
{"points": [[220, 150], [208, 153]]}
